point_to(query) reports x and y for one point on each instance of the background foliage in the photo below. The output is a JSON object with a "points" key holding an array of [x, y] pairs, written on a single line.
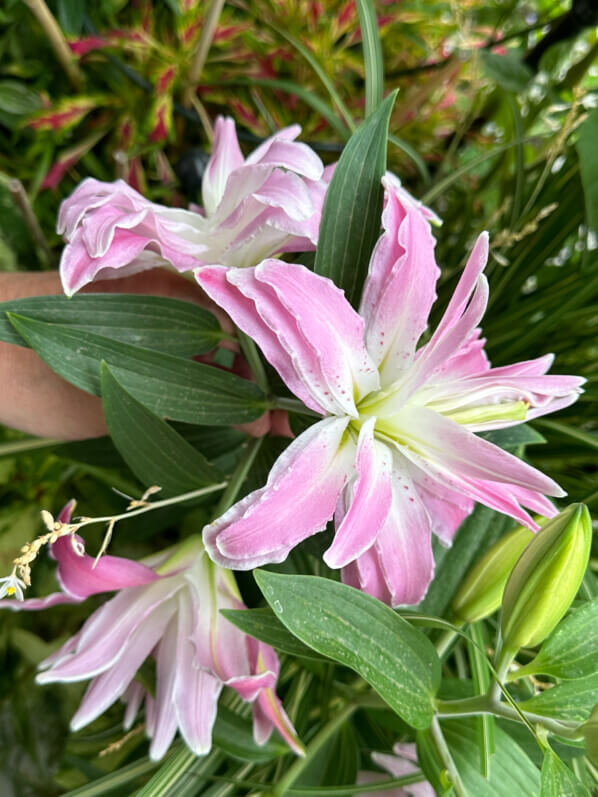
{"points": [[492, 127]]}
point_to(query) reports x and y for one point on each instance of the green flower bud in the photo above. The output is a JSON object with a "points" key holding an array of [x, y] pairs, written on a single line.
{"points": [[546, 578], [480, 594]]}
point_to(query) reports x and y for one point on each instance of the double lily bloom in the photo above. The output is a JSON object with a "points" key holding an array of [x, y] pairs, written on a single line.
{"points": [[395, 456], [253, 208], [166, 607]]}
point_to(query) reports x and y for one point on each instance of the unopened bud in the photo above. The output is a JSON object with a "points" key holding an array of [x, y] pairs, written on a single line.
{"points": [[546, 578], [480, 594]]}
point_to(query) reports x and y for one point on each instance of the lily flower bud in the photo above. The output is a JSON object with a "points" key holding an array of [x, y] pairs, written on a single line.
{"points": [[480, 594], [546, 578]]}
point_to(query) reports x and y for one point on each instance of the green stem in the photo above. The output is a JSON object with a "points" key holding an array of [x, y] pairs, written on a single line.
{"points": [[503, 663], [293, 405], [229, 496], [319, 740], [475, 706], [177, 499], [254, 360], [445, 640], [447, 759]]}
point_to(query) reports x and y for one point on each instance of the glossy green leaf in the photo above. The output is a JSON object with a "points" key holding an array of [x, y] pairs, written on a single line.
{"points": [[351, 217], [372, 55], [264, 625], [234, 735], [511, 771], [153, 322], [171, 387], [571, 651], [588, 164], [558, 780], [362, 633], [153, 450], [570, 700]]}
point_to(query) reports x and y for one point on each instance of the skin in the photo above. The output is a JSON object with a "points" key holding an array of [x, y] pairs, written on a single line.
{"points": [[36, 400]]}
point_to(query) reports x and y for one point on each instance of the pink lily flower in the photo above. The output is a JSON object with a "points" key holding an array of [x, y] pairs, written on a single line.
{"points": [[168, 608], [395, 457], [403, 762], [254, 207]]}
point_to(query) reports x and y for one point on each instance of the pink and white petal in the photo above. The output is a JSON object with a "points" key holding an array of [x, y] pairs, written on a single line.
{"points": [[288, 191], [404, 544], [470, 360], [226, 157], [196, 690], [78, 576], [431, 357], [366, 574], [268, 713], [474, 267], [292, 155], [165, 721], [77, 268], [104, 635], [111, 684], [400, 290], [392, 185], [63, 652], [297, 501], [288, 133], [370, 505], [496, 495], [325, 317], [133, 697], [446, 516], [37, 604], [244, 312], [448, 443]]}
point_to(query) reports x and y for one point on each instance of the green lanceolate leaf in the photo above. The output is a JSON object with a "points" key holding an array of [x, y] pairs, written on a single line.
{"points": [[372, 55], [264, 625], [234, 735], [182, 390], [351, 217], [570, 700], [153, 322], [558, 780], [360, 632], [151, 448], [572, 650], [588, 163], [511, 771]]}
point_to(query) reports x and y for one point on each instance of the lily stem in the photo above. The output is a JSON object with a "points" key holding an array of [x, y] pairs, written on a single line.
{"points": [[476, 706], [229, 496], [254, 360], [316, 744], [447, 759]]}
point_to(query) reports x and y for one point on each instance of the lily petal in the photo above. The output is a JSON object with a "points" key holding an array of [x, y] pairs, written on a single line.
{"points": [[370, 505], [297, 501]]}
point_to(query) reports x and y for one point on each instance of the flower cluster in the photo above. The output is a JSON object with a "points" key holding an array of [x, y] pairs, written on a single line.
{"points": [[166, 607], [395, 454]]}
